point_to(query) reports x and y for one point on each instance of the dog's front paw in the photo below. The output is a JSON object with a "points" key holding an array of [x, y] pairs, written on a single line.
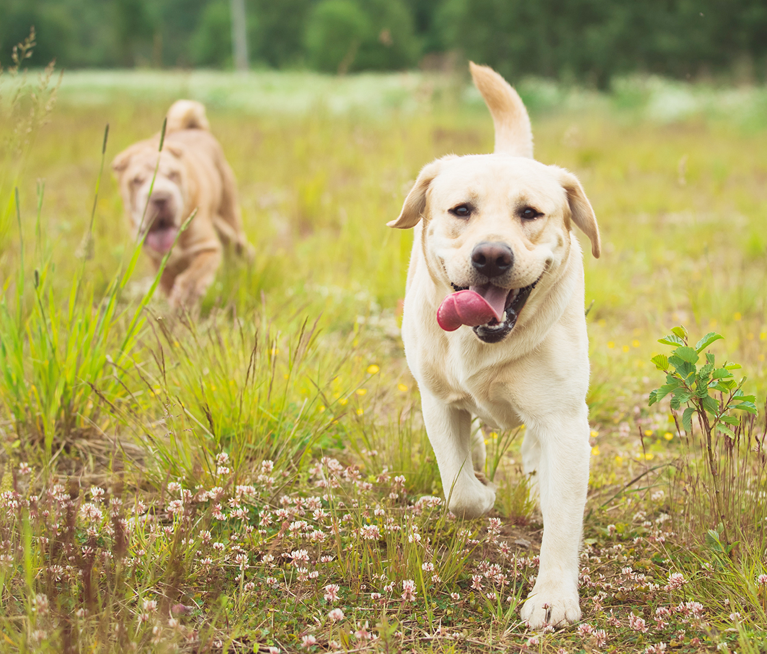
{"points": [[550, 605], [472, 500], [184, 295]]}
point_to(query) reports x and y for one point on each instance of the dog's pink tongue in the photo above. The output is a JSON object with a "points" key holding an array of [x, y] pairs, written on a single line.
{"points": [[477, 306], [161, 240]]}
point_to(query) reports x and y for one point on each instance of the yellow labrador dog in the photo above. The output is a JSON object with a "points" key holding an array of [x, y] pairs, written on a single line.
{"points": [[494, 328], [192, 175]]}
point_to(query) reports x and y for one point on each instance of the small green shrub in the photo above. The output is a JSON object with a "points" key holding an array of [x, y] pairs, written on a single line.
{"points": [[691, 387]]}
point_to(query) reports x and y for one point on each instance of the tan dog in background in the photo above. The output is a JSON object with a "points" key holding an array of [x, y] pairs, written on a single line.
{"points": [[494, 328], [193, 174]]}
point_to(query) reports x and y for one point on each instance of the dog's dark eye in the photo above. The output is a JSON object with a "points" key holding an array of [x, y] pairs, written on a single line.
{"points": [[528, 213], [137, 180], [462, 210], [174, 175]]}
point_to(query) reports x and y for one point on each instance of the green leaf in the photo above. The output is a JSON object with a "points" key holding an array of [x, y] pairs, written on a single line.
{"points": [[687, 419], [724, 385], [660, 361], [658, 394], [748, 407], [712, 539], [725, 430], [705, 370], [680, 331], [671, 340], [709, 338], [731, 420], [686, 354], [721, 373], [733, 366], [682, 394], [683, 368], [710, 404]]}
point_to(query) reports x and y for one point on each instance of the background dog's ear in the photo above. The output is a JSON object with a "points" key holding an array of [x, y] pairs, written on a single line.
{"points": [[176, 149], [580, 209], [415, 202], [121, 161]]}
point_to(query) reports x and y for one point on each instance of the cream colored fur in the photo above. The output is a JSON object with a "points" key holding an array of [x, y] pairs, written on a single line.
{"points": [[539, 374], [193, 175]]}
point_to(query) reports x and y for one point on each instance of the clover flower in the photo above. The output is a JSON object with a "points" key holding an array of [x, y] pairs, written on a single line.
{"points": [[408, 590], [331, 592], [637, 624], [336, 615]]}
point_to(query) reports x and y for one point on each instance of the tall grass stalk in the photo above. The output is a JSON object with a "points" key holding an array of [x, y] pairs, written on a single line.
{"points": [[51, 354]]}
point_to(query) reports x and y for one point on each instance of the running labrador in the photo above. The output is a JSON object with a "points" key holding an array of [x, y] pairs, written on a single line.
{"points": [[494, 328], [192, 175]]}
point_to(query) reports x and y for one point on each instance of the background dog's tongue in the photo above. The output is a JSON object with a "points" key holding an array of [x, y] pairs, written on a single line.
{"points": [[472, 307], [161, 240]]}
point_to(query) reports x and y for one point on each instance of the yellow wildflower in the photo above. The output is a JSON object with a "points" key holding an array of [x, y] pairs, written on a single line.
{"points": [[401, 388], [373, 369]]}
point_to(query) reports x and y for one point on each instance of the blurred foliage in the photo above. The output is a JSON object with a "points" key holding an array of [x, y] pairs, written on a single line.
{"points": [[344, 35], [585, 40]]}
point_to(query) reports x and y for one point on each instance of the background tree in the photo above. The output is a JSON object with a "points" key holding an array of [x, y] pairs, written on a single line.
{"points": [[588, 41]]}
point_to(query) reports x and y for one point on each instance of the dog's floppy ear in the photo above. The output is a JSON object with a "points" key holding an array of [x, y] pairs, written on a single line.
{"points": [[176, 149], [580, 209], [121, 161], [415, 202]]}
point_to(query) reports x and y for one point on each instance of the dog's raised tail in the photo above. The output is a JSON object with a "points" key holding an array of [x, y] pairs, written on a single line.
{"points": [[186, 114], [513, 134]]}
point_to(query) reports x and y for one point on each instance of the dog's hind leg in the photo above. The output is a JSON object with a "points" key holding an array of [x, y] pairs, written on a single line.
{"points": [[449, 431]]}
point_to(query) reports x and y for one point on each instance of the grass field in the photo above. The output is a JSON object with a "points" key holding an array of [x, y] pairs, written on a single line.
{"points": [[248, 480]]}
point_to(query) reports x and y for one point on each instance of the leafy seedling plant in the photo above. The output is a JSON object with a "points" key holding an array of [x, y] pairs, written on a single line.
{"points": [[692, 387]]}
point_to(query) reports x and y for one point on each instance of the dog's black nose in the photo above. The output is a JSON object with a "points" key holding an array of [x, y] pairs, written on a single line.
{"points": [[492, 259]]}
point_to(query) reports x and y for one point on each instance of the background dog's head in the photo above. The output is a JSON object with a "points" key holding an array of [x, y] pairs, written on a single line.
{"points": [[498, 224], [161, 214]]}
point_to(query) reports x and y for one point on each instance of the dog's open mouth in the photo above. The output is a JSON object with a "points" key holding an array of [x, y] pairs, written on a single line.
{"points": [[490, 310], [162, 234]]}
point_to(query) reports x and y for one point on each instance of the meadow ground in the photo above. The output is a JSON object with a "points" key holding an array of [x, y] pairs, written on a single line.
{"points": [[249, 479]]}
